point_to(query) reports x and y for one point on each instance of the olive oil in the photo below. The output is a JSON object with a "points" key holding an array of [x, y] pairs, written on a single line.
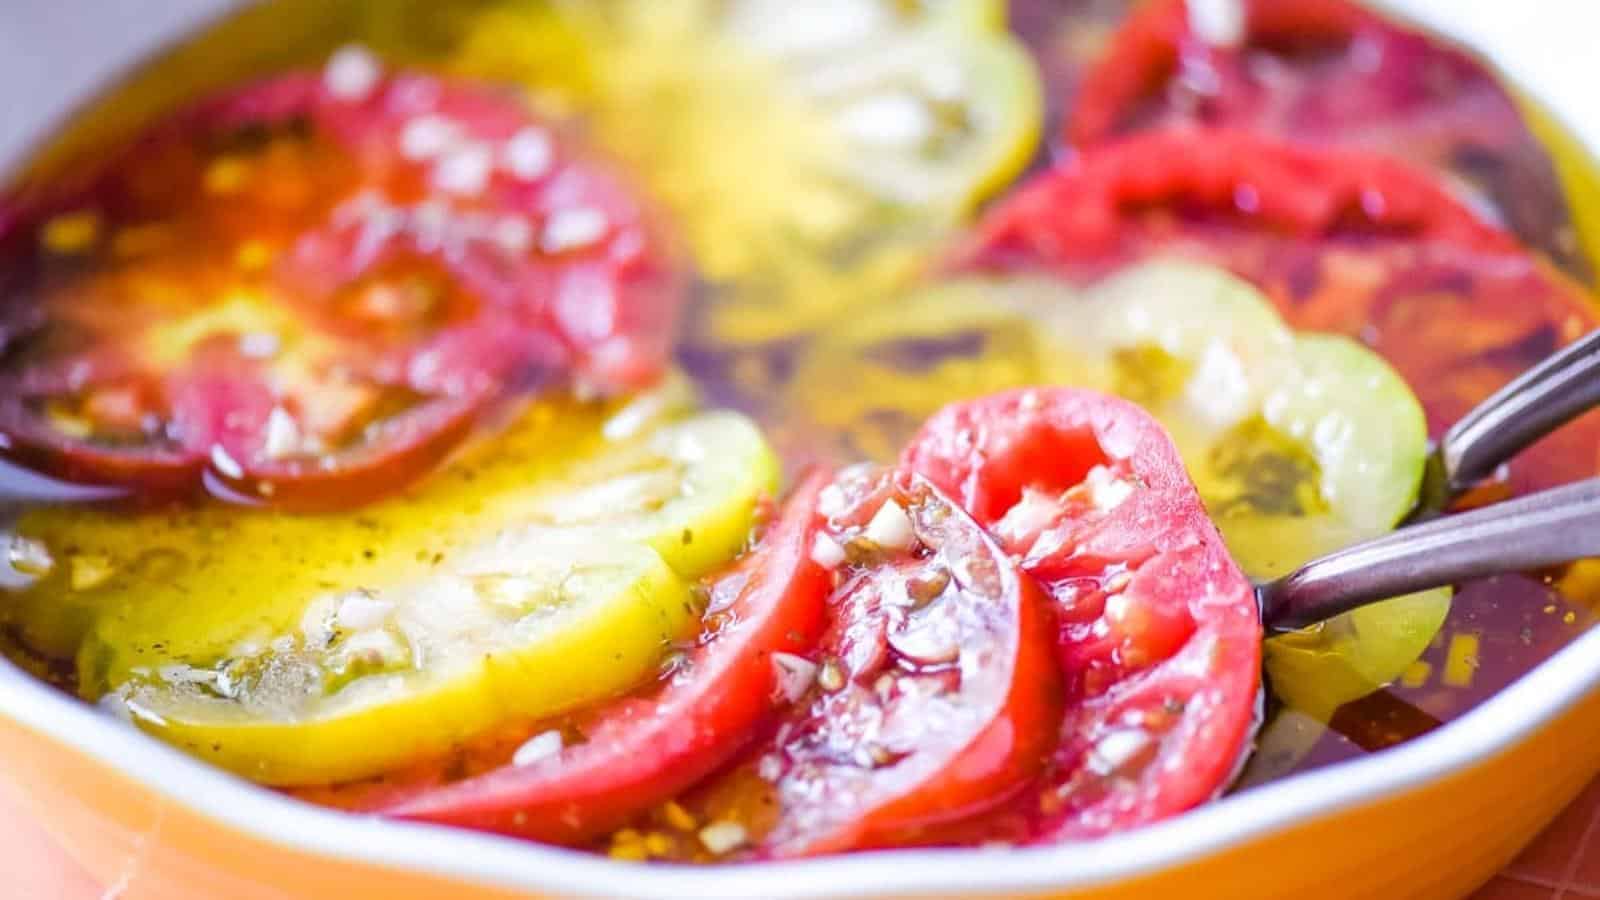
{"points": [[812, 188]]}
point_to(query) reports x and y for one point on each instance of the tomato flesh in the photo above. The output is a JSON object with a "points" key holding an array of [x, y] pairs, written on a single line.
{"points": [[641, 751], [1340, 241], [789, 155], [305, 294], [1159, 636], [1328, 72], [937, 697]]}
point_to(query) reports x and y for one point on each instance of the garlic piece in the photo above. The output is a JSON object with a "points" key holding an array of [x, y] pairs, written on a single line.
{"points": [[794, 675], [826, 552], [540, 746], [30, 556], [361, 609], [891, 528], [1116, 750], [722, 837]]}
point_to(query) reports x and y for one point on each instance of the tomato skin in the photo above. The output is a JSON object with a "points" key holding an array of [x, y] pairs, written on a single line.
{"points": [[642, 751], [1144, 53], [1159, 636], [1091, 206], [1340, 240], [415, 284], [1332, 73], [997, 708], [412, 444]]}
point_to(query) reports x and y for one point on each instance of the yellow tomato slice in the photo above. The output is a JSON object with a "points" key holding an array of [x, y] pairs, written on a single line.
{"points": [[688, 490], [637, 498], [373, 677], [813, 153], [875, 380]]}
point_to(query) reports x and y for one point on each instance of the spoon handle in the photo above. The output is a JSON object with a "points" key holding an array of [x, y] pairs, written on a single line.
{"points": [[1543, 529], [1539, 401]]}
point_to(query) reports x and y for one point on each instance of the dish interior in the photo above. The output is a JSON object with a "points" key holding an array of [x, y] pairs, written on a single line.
{"points": [[815, 170]]}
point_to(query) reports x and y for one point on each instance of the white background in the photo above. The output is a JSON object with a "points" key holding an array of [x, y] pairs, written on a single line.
{"points": [[54, 52]]}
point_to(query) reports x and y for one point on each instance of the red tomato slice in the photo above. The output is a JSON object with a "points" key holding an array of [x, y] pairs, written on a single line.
{"points": [[361, 265], [1159, 637], [937, 698], [1342, 241], [232, 403], [1329, 72], [642, 751]]}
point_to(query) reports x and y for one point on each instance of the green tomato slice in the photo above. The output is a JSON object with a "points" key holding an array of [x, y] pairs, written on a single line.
{"points": [[1319, 669], [626, 503], [1299, 444]]}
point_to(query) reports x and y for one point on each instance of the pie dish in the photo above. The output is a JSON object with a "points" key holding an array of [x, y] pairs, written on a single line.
{"points": [[1433, 817]]}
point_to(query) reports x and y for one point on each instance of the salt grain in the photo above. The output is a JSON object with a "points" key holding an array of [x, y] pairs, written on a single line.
{"points": [[769, 767], [426, 137], [540, 746], [528, 155], [352, 72], [831, 501], [512, 234], [572, 229], [283, 434], [225, 464], [1220, 23], [896, 120], [722, 837], [465, 170]]}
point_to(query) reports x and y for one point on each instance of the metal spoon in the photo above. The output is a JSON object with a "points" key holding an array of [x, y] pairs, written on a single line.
{"points": [[1538, 402], [1547, 528]]}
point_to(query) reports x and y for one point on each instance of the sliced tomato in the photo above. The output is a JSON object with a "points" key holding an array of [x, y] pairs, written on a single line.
{"points": [[1249, 405], [1159, 638], [766, 610], [937, 697], [233, 402], [540, 572], [1328, 72], [305, 291], [1340, 241], [829, 144]]}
